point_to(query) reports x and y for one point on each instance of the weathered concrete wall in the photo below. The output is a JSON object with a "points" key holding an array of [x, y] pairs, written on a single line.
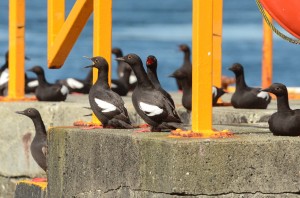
{"points": [[121, 163]]}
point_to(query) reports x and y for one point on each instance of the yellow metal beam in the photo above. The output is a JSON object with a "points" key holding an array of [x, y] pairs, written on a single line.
{"points": [[267, 54], [16, 49], [56, 18], [72, 27], [217, 41], [102, 35], [202, 46]]}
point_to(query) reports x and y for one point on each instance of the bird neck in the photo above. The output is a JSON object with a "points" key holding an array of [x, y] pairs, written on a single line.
{"points": [[141, 75], [283, 103], [186, 86], [187, 57], [102, 78], [240, 81], [5, 66], [39, 126], [41, 79], [125, 78], [151, 72]]}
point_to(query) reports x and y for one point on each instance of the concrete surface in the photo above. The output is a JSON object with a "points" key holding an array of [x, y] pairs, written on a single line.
{"points": [[17, 131], [28, 189], [122, 163]]}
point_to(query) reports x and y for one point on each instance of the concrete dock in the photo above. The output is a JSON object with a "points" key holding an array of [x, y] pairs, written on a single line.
{"points": [[123, 163]]}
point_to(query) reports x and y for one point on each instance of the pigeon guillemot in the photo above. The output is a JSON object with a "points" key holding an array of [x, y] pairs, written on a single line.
{"points": [[78, 85], [122, 67], [186, 65], [46, 91], [151, 64], [285, 122], [247, 97], [217, 93], [38, 145], [107, 105], [152, 106], [121, 85]]}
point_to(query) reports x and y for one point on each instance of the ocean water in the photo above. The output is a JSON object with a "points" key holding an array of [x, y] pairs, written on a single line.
{"points": [[157, 27]]}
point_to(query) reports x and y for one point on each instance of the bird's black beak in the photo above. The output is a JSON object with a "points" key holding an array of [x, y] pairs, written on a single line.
{"points": [[26, 58], [29, 70], [120, 59], [230, 68], [172, 76], [89, 66], [20, 112]]}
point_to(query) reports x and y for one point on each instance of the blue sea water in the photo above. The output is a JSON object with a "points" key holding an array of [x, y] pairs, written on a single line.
{"points": [[157, 27]]}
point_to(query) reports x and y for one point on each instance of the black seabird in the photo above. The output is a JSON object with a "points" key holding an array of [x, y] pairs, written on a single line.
{"points": [[38, 145], [186, 66], [151, 64], [122, 67], [216, 94], [247, 97], [285, 122], [152, 106], [107, 105], [46, 91], [78, 85]]}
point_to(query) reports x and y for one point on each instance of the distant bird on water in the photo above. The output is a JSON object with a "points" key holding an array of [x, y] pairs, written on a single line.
{"points": [[152, 106], [38, 145], [78, 85], [285, 122], [186, 66], [107, 105], [247, 97], [46, 91], [151, 64], [123, 67]]}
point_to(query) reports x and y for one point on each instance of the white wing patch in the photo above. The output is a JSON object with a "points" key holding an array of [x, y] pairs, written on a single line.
{"points": [[33, 83], [74, 84], [4, 77], [113, 85], [132, 79], [214, 91], [151, 110], [64, 90], [263, 95], [107, 107]]}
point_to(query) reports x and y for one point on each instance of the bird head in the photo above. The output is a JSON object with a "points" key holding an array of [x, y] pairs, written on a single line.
{"points": [[37, 70], [131, 59], [151, 61], [179, 74], [117, 51], [277, 89], [236, 68], [98, 62], [184, 48], [30, 112]]}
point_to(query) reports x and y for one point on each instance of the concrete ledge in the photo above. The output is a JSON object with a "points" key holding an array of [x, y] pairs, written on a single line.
{"points": [[29, 189], [121, 163]]}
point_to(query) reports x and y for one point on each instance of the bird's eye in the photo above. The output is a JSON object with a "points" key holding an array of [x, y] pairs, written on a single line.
{"points": [[29, 111], [277, 88], [96, 61], [129, 57]]}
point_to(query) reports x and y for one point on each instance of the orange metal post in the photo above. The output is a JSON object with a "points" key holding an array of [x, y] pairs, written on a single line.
{"points": [[217, 41], [56, 18], [102, 35], [267, 54], [16, 49], [69, 32], [202, 46]]}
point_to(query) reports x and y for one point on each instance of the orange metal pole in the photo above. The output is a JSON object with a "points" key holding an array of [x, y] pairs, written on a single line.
{"points": [[217, 41], [56, 18], [16, 49], [267, 54], [202, 46], [102, 35]]}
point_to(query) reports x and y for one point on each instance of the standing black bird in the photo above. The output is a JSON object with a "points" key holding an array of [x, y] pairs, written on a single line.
{"points": [[152, 106], [38, 145], [244, 96], [285, 121], [78, 85], [46, 91], [186, 65], [122, 67], [107, 105], [151, 64]]}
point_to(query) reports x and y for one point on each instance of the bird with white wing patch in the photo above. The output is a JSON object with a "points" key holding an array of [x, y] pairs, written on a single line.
{"points": [[107, 105], [152, 106]]}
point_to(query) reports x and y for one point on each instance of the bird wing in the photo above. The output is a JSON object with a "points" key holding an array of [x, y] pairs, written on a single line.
{"points": [[74, 83]]}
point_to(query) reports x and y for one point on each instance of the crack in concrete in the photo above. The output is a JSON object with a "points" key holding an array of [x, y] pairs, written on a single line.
{"points": [[15, 177]]}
